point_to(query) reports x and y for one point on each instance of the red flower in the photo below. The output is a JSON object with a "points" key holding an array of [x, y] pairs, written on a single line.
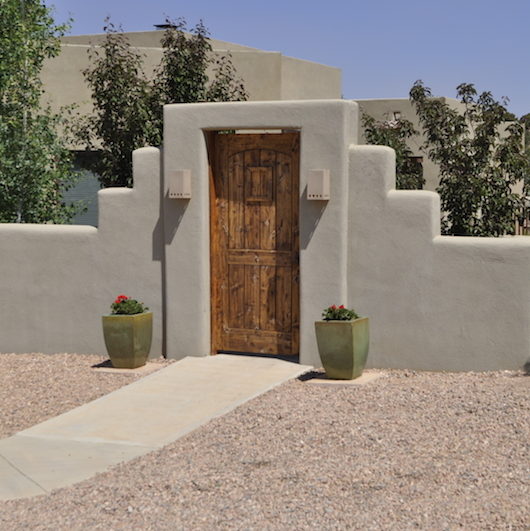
{"points": [[341, 307], [121, 298], [333, 307]]}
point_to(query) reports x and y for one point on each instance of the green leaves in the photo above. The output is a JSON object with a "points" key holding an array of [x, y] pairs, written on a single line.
{"points": [[123, 305], [35, 165], [394, 133], [480, 157], [122, 119], [339, 313], [128, 107]]}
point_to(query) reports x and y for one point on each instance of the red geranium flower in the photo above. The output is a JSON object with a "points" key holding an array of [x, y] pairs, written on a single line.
{"points": [[341, 307], [121, 298]]}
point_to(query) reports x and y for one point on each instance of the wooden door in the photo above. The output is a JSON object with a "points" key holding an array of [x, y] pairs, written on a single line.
{"points": [[254, 242]]}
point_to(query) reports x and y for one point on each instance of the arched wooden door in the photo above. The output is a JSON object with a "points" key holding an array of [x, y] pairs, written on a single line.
{"points": [[255, 242]]}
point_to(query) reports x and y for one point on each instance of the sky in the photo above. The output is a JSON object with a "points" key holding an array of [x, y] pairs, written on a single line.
{"points": [[381, 46]]}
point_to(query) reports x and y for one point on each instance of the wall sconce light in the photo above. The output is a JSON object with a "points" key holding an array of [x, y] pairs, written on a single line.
{"points": [[318, 185], [180, 184]]}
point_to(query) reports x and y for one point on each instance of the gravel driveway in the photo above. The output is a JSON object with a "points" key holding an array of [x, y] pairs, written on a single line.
{"points": [[411, 450]]}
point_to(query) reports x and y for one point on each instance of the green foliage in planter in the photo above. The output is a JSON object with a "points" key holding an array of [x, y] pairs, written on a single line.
{"points": [[339, 313], [123, 305]]}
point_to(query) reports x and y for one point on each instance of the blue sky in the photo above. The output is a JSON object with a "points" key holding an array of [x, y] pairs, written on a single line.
{"points": [[382, 46]]}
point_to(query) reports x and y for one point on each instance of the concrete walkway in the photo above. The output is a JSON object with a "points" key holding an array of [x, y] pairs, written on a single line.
{"points": [[132, 421]]}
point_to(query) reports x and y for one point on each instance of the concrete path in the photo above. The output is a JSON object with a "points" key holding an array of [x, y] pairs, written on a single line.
{"points": [[134, 420]]}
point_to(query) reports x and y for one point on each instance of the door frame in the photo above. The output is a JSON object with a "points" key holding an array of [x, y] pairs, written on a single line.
{"points": [[328, 130]]}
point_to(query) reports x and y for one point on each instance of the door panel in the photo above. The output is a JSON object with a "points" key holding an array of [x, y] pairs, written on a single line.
{"points": [[254, 242]]}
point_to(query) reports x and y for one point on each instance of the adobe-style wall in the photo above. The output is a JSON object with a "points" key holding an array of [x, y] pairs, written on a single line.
{"points": [[434, 302], [327, 128], [57, 281]]}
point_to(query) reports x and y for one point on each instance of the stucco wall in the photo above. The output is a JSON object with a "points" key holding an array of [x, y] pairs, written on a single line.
{"points": [[435, 302], [56, 281], [266, 75], [303, 80], [327, 129]]}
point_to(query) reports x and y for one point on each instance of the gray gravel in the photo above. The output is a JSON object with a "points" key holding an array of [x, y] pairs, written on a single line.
{"points": [[409, 451]]}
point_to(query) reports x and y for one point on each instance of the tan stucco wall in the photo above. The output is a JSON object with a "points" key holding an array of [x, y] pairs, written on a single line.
{"points": [[63, 80], [327, 128], [303, 80], [56, 281], [434, 302], [266, 75]]}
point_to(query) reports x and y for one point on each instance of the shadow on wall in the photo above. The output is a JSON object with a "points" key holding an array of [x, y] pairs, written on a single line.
{"points": [[174, 212], [310, 214]]}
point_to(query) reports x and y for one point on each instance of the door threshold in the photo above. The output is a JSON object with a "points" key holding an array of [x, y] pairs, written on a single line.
{"points": [[284, 357]]}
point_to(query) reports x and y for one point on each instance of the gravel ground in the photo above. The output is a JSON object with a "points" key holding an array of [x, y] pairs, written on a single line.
{"points": [[411, 450]]}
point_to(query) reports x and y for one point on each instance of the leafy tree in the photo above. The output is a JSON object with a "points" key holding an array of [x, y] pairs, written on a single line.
{"points": [[35, 165], [122, 119], [525, 120], [480, 158], [395, 133], [128, 106]]}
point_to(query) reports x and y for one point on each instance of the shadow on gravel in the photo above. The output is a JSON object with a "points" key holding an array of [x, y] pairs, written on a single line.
{"points": [[310, 375], [107, 364]]}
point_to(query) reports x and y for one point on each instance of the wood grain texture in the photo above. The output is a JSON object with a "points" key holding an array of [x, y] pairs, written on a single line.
{"points": [[254, 198]]}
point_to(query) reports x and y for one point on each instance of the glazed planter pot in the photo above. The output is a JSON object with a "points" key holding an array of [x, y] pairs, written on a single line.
{"points": [[343, 347], [128, 339]]}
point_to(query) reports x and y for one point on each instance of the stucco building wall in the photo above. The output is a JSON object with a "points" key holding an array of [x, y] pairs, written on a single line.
{"points": [[434, 302], [56, 281], [267, 75]]}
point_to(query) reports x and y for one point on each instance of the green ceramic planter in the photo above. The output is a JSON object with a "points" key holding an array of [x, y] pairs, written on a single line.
{"points": [[343, 347], [128, 339]]}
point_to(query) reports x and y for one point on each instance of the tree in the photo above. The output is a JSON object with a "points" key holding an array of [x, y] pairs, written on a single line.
{"points": [[395, 133], [525, 120], [480, 157], [35, 165], [122, 119], [128, 107]]}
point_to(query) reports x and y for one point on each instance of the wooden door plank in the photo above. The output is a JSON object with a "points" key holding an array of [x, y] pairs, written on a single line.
{"points": [[257, 257], [267, 311], [236, 296], [283, 299], [251, 208], [218, 220], [244, 341], [283, 203], [267, 221], [236, 226], [252, 296]]}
